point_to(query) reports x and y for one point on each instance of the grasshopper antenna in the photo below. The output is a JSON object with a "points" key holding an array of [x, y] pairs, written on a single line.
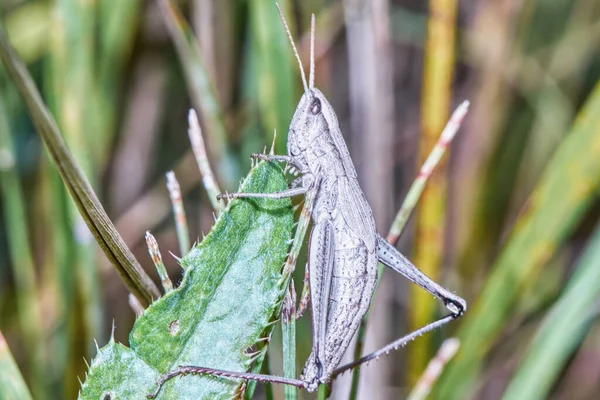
{"points": [[311, 78], [289, 35]]}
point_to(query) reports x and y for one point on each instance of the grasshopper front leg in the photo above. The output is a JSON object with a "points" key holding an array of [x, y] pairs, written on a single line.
{"points": [[293, 161], [299, 186], [277, 195]]}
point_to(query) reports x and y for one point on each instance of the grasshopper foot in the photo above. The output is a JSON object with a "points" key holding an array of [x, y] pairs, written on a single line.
{"points": [[259, 156], [456, 305], [226, 196]]}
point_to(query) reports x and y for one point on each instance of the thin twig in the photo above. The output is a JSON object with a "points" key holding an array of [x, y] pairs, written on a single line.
{"points": [[416, 189], [434, 369], [158, 262], [181, 225], [208, 178]]}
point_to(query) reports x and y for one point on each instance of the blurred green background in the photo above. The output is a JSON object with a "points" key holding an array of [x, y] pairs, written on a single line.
{"points": [[510, 222]]}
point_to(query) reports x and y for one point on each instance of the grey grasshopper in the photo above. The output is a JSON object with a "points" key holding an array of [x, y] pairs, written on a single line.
{"points": [[344, 247]]}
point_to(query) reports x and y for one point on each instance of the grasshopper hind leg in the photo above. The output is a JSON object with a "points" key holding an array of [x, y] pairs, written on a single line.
{"points": [[392, 258]]}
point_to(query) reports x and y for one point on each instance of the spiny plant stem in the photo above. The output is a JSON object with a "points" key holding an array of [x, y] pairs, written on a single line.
{"points": [[301, 229], [181, 225], [158, 262]]}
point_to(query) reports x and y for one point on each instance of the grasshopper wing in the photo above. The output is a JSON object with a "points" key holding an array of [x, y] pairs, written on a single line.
{"points": [[357, 212]]}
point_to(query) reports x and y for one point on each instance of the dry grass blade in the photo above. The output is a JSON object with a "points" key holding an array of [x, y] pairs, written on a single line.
{"points": [[435, 367], [208, 177], [154, 252], [430, 224], [113, 246], [181, 225]]}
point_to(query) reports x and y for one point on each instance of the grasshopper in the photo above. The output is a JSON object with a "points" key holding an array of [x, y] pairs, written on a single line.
{"points": [[344, 246]]}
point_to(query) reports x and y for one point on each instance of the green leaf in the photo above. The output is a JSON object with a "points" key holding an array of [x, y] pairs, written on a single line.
{"points": [[562, 331], [227, 302], [118, 373]]}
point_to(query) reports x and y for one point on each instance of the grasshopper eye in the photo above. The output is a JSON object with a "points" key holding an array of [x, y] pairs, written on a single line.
{"points": [[315, 107]]}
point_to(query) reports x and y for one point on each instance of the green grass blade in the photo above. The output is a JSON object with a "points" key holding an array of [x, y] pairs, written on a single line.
{"points": [[115, 249], [117, 29], [117, 32], [561, 198], [28, 25], [266, 369], [72, 57], [277, 72], [228, 301], [12, 385], [562, 331], [14, 211]]}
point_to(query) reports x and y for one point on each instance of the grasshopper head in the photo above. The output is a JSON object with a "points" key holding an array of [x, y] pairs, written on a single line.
{"points": [[313, 117]]}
